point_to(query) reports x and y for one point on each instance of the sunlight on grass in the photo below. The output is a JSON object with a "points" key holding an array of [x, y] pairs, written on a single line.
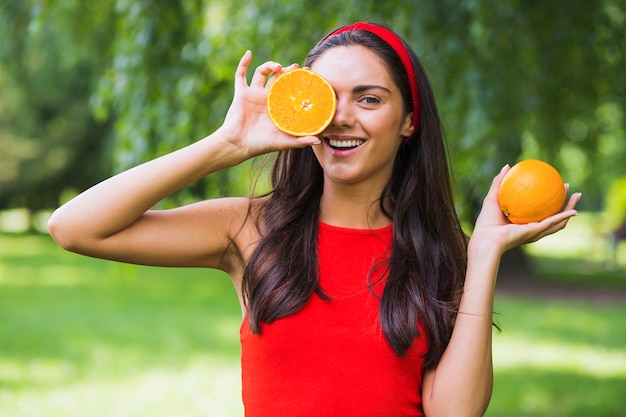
{"points": [[86, 337], [39, 372], [514, 352], [558, 358], [205, 387]]}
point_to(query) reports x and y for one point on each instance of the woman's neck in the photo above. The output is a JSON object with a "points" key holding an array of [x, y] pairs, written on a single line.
{"points": [[353, 208]]}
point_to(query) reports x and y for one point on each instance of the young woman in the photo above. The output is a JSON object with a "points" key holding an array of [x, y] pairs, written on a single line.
{"points": [[361, 295]]}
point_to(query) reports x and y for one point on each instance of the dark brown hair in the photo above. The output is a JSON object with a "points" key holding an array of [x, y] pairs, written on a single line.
{"points": [[426, 268]]}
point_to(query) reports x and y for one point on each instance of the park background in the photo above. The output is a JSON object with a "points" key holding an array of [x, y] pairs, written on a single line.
{"points": [[90, 88]]}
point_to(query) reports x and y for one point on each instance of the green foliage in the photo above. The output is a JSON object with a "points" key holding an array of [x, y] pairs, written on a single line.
{"points": [[615, 204], [514, 79], [48, 139], [525, 79]]}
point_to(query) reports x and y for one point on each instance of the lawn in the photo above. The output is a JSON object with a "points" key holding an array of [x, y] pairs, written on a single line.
{"points": [[564, 357], [86, 337], [90, 338], [559, 359]]}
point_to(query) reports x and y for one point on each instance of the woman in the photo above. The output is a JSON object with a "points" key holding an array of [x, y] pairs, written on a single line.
{"points": [[360, 293]]}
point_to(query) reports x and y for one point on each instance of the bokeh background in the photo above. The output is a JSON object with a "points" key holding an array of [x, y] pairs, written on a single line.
{"points": [[91, 88]]}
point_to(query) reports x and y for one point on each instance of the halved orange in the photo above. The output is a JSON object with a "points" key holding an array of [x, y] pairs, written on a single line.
{"points": [[301, 102]]}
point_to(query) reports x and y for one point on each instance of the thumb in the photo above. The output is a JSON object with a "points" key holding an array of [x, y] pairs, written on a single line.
{"points": [[495, 184]]}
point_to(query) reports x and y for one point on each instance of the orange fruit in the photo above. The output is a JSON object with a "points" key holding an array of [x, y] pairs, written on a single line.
{"points": [[531, 191], [301, 102]]}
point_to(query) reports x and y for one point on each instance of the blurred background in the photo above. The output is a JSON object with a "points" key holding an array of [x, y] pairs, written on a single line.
{"points": [[91, 88]]}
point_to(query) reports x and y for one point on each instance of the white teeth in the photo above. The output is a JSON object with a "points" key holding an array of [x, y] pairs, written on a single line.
{"points": [[345, 143]]}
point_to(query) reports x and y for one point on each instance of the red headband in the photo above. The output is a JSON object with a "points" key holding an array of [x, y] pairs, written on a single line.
{"points": [[398, 46]]}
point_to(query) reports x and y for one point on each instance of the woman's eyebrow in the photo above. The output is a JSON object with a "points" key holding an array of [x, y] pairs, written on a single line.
{"points": [[365, 87]]}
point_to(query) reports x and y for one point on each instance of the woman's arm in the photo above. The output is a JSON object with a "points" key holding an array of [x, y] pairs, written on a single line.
{"points": [[461, 384], [114, 220]]}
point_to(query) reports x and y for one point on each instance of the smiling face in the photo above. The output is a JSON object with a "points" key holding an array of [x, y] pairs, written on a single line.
{"points": [[361, 143]]}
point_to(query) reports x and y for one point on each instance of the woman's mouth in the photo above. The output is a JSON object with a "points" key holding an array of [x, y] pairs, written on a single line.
{"points": [[342, 144]]}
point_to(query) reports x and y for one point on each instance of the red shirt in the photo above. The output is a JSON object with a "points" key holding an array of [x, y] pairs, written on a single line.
{"points": [[331, 358]]}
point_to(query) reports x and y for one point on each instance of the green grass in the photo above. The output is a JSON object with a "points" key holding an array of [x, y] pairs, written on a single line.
{"points": [[564, 358], [557, 358], [86, 337]]}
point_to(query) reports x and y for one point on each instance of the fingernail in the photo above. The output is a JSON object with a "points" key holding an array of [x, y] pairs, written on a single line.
{"points": [[504, 167]]}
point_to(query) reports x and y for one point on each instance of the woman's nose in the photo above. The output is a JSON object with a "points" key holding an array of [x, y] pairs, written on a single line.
{"points": [[344, 115]]}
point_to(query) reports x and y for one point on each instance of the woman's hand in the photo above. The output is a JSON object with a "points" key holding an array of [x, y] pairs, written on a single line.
{"points": [[247, 124], [468, 355], [492, 227]]}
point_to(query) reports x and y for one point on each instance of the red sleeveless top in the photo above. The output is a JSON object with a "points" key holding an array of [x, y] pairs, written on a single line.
{"points": [[331, 358]]}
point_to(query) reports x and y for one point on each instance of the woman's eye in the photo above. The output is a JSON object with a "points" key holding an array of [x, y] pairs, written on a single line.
{"points": [[370, 100]]}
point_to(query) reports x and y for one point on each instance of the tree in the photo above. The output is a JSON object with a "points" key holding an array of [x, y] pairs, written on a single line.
{"points": [[514, 79], [521, 79], [49, 140]]}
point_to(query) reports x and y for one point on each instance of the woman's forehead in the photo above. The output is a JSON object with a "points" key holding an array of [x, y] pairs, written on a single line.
{"points": [[354, 63]]}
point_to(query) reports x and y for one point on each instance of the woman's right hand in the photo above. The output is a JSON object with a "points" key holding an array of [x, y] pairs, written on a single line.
{"points": [[114, 220], [247, 124]]}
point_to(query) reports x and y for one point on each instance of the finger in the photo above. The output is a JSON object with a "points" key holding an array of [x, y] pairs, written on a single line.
{"points": [[553, 224], [559, 217], [553, 229], [242, 70], [498, 178], [259, 79], [275, 74], [495, 183], [573, 201]]}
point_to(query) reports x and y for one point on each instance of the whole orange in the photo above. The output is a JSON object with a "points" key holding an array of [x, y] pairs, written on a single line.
{"points": [[531, 191]]}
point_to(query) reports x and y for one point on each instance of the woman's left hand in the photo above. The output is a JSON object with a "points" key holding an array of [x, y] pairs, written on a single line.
{"points": [[493, 228]]}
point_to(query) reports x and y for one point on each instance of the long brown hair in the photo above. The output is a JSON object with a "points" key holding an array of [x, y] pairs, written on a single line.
{"points": [[426, 268]]}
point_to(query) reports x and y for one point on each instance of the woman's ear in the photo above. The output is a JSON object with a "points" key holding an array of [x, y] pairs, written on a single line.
{"points": [[407, 126]]}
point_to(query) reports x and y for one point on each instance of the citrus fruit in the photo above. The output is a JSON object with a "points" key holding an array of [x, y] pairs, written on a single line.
{"points": [[301, 102], [531, 191]]}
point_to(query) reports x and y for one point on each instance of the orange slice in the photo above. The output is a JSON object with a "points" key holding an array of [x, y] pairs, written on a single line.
{"points": [[301, 102]]}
